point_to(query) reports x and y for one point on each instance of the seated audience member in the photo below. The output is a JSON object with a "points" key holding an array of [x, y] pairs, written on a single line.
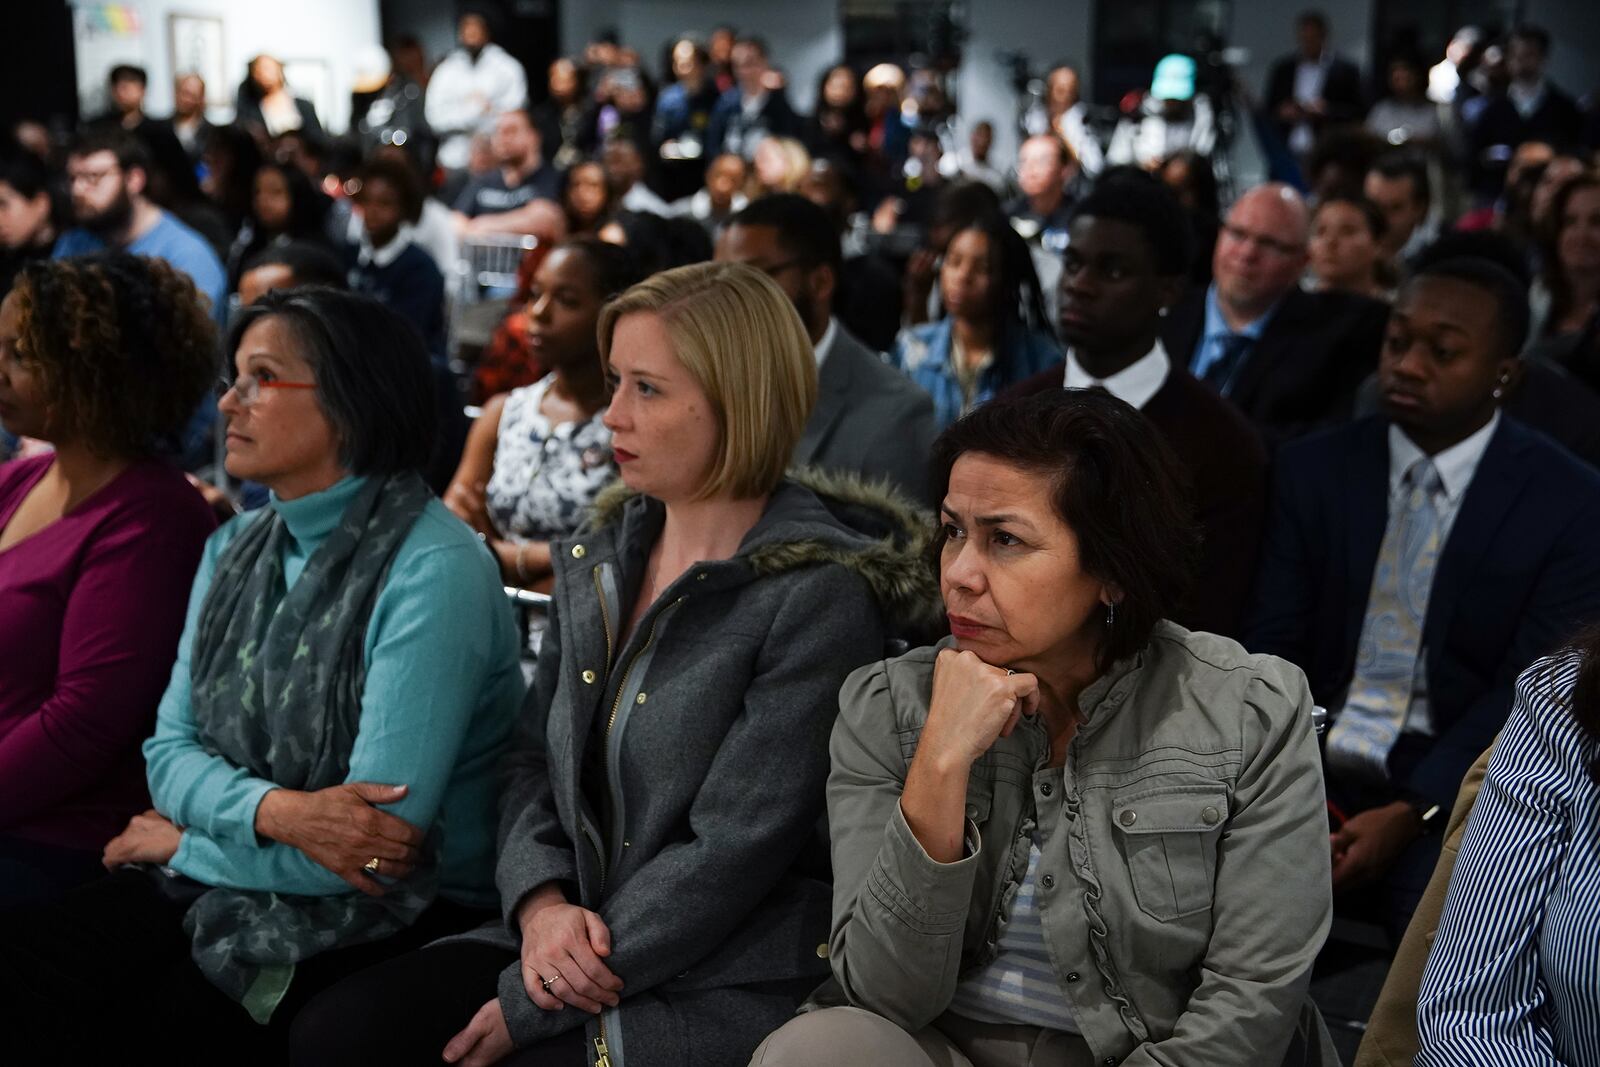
{"points": [[586, 200], [1040, 214], [323, 762], [625, 170], [1538, 392], [869, 418], [781, 164], [1414, 565], [107, 170], [751, 109], [289, 266], [662, 881], [188, 122], [125, 90], [682, 116], [657, 243], [387, 263], [284, 207], [435, 228], [1006, 805], [1512, 973], [539, 455], [995, 330], [29, 214], [971, 162], [1290, 360], [1127, 261], [229, 156], [1398, 184], [720, 198], [104, 358], [837, 128], [1193, 179], [1567, 299], [520, 174], [867, 298], [1346, 247], [1063, 112]]}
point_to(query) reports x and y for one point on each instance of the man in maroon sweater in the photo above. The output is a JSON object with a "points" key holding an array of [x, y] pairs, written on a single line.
{"points": [[1126, 263]]}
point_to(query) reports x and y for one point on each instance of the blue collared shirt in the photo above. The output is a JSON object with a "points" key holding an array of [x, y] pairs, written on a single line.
{"points": [[1217, 331]]}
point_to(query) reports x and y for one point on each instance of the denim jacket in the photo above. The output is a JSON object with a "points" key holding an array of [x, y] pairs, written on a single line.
{"points": [[1184, 895], [923, 352]]}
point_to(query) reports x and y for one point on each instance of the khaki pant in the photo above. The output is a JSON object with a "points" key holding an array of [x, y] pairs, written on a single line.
{"points": [[842, 1037]]}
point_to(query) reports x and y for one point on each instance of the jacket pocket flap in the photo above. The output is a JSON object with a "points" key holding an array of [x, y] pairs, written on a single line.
{"points": [[1181, 809]]}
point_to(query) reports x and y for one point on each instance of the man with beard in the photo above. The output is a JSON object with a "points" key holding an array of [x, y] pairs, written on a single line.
{"points": [[1415, 563], [869, 418], [107, 171], [470, 87]]}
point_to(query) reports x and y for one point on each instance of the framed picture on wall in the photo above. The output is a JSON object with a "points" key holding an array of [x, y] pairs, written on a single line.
{"points": [[196, 47]]}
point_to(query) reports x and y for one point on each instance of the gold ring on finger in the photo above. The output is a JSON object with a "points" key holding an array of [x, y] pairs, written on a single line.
{"points": [[372, 865]]}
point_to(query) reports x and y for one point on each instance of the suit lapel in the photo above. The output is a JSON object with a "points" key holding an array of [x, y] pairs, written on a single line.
{"points": [[1366, 494], [833, 389], [1495, 487], [1184, 326], [1269, 348]]}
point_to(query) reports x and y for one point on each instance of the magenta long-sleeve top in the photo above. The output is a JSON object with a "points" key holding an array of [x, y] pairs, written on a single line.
{"points": [[91, 608]]}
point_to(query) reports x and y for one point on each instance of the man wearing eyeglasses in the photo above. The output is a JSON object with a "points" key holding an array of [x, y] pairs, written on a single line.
{"points": [[107, 171], [1289, 359]]}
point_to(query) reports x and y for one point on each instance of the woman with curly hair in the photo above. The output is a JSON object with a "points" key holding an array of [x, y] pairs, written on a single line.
{"points": [[103, 357]]}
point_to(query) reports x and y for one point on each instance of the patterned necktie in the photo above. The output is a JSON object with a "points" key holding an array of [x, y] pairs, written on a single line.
{"points": [[1231, 351], [1391, 634]]}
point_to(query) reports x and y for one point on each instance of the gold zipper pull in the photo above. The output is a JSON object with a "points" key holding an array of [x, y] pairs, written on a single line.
{"points": [[602, 1058]]}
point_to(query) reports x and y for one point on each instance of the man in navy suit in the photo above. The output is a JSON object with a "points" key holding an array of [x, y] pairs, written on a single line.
{"points": [[752, 109], [1415, 563]]}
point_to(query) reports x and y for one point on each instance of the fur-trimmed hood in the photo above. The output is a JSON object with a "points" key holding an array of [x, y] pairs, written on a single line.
{"points": [[834, 517]]}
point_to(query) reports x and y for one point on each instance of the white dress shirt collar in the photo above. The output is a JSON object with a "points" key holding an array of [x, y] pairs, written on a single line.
{"points": [[1134, 384], [1456, 465], [825, 345]]}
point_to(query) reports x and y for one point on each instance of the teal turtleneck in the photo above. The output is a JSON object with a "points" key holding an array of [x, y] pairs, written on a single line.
{"points": [[442, 690]]}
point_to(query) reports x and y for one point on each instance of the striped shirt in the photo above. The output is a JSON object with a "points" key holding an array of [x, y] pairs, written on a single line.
{"points": [[1020, 985], [1514, 975]]}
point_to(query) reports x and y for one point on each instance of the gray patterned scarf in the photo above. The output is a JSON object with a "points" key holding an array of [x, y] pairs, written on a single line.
{"points": [[277, 681]]}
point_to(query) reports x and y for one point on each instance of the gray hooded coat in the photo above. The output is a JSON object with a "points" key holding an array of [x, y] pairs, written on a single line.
{"points": [[706, 856]]}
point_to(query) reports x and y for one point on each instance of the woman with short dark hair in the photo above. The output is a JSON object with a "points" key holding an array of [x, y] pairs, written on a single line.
{"points": [[104, 358], [1072, 832], [323, 762]]}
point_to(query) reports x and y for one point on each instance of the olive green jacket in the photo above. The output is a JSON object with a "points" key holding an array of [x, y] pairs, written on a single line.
{"points": [[1184, 894]]}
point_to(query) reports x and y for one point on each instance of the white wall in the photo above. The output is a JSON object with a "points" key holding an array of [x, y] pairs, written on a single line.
{"points": [[1045, 30], [327, 30]]}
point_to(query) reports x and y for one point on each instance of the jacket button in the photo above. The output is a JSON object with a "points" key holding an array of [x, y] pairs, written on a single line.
{"points": [[1072, 976], [1210, 815], [1048, 881], [639, 699], [700, 577], [1046, 789], [1128, 817], [588, 677], [1110, 1061], [578, 551], [972, 812], [822, 951]]}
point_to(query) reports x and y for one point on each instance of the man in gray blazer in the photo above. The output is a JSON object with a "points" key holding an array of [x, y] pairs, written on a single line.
{"points": [[870, 419]]}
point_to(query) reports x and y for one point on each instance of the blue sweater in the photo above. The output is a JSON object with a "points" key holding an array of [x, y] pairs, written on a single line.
{"points": [[442, 689]]}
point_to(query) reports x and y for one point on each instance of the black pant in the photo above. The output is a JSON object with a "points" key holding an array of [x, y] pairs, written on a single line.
{"points": [[104, 973], [31, 873], [404, 1011]]}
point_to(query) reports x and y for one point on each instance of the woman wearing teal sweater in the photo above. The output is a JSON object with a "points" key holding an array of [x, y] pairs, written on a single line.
{"points": [[323, 767]]}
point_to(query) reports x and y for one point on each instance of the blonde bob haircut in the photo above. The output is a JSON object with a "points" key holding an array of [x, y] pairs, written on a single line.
{"points": [[740, 339]]}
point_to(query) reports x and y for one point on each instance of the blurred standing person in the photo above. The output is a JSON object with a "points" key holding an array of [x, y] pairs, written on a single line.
{"points": [[722, 196], [888, 132], [1406, 116], [683, 119], [1045, 167], [565, 119], [752, 109], [1532, 108], [1313, 88], [971, 162], [189, 123], [1171, 119], [1063, 112], [720, 47], [125, 90], [469, 87], [837, 128], [393, 109], [267, 108]]}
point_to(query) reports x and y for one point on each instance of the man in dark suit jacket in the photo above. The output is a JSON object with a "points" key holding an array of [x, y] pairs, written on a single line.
{"points": [[1312, 89], [1532, 108], [1126, 261], [1289, 359], [870, 419], [1509, 517], [751, 109]]}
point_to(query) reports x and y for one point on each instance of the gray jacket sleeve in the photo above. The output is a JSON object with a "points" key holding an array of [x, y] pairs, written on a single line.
{"points": [[1273, 901], [898, 915]]}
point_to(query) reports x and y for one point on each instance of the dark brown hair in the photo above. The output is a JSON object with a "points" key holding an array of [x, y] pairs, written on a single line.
{"points": [[124, 346], [1585, 699], [1555, 274], [1119, 487]]}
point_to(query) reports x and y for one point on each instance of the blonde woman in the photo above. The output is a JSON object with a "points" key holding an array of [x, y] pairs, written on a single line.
{"points": [[661, 875]]}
